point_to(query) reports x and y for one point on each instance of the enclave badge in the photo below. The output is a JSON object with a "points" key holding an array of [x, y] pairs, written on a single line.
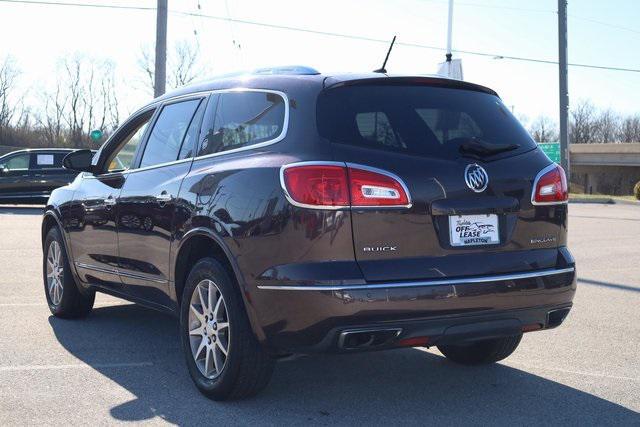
{"points": [[476, 177], [539, 240]]}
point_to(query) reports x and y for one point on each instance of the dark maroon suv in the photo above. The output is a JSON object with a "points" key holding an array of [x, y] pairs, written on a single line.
{"points": [[288, 211]]}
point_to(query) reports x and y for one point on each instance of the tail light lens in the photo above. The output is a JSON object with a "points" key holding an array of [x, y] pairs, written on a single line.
{"points": [[338, 185], [317, 185], [550, 186], [369, 188]]}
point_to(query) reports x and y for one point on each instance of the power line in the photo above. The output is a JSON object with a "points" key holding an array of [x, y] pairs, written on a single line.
{"points": [[95, 5], [606, 24], [529, 10], [416, 45], [491, 6], [486, 6], [330, 34], [519, 9]]}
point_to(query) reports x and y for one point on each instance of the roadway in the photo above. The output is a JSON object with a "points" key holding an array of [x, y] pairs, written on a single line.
{"points": [[124, 364]]}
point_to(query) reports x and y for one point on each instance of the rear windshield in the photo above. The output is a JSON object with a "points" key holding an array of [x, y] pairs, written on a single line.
{"points": [[418, 120]]}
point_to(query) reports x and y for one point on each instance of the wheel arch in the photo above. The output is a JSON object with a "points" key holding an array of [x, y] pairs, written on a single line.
{"points": [[199, 243], [51, 219]]}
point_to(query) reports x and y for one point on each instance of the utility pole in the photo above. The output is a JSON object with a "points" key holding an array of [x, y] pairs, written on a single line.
{"points": [[564, 88], [161, 49]]}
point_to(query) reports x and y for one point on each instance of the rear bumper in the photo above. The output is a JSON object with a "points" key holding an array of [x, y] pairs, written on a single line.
{"points": [[309, 319]]}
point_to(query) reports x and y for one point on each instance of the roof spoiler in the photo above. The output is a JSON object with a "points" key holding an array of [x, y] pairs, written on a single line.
{"points": [[408, 81]]}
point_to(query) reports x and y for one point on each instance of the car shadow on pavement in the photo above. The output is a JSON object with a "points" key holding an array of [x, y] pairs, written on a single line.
{"points": [[608, 284], [139, 350], [21, 210]]}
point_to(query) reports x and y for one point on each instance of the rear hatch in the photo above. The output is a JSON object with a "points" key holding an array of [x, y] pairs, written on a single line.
{"points": [[469, 168]]}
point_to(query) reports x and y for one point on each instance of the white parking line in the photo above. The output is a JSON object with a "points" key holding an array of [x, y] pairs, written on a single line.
{"points": [[74, 366]]}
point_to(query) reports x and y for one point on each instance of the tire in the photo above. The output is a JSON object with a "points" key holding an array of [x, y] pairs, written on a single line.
{"points": [[481, 352], [60, 288], [247, 367]]}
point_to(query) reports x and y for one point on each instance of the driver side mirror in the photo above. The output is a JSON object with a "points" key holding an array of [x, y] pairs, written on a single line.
{"points": [[3, 169], [79, 161]]}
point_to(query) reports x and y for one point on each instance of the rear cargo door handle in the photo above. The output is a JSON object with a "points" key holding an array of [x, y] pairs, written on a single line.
{"points": [[163, 198]]}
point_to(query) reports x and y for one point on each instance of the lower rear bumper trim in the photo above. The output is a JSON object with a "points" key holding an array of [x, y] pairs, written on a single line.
{"points": [[423, 283]]}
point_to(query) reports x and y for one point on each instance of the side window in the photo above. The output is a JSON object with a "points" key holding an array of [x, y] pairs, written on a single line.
{"points": [[168, 132], [243, 119], [123, 159], [19, 162], [47, 160], [191, 137]]}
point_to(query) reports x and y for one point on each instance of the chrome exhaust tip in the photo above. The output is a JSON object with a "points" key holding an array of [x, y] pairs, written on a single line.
{"points": [[356, 339], [556, 317]]}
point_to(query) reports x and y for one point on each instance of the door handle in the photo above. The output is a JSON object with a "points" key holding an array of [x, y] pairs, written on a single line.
{"points": [[163, 198]]}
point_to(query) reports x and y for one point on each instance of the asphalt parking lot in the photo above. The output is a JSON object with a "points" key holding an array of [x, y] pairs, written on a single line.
{"points": [[124, 364]]}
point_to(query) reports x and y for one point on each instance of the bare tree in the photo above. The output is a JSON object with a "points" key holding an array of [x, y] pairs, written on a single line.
{"points": [[183, 65], [76, 111], [84, 99], [607, 126], [582, 123], [8, 74], [51, 119], [544, 129], [111, 108], [629, 129], [91, 99], [147, 67]]}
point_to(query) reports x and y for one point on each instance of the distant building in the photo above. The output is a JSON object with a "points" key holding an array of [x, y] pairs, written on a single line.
{"points": [[604, 168]]}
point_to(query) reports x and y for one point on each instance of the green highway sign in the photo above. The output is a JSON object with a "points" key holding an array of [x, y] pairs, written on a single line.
{"points": [[552, 150], [95, 134]]}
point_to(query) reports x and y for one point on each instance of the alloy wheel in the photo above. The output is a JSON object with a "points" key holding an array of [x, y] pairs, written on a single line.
{"points": [[55, 273], [209, 330]]}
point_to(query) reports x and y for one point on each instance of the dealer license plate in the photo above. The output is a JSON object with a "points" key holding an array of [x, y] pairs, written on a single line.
{"points": [[474, 230]]}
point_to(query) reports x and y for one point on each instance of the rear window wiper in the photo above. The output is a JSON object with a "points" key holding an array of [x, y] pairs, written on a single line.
{"points": [[481, 148]]}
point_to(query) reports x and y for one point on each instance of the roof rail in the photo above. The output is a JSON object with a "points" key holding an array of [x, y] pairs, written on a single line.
{"points": [[287, 69]]}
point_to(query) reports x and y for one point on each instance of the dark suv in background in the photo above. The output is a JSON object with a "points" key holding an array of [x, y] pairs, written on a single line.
{"points": [[295, 212], [29, 176]]}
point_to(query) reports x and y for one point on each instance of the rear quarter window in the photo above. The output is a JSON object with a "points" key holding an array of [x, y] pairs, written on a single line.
{"points": [[243, 119], [48, 160], [417, 120]]}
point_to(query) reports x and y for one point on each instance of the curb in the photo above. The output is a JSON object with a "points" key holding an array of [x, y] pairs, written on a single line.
{"points": [[627, 202], [597, 201], [604, 201]]}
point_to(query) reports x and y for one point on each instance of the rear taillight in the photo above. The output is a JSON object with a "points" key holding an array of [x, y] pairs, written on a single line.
{"points": [[550, 186], [317, 185], [370, 187], [338, 185]]}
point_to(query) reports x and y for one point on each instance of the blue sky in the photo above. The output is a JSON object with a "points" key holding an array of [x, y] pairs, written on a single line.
{"points": [[37, 35]]}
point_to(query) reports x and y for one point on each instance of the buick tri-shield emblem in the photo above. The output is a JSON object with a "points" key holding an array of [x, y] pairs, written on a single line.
{"points": [[476, 177]]}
